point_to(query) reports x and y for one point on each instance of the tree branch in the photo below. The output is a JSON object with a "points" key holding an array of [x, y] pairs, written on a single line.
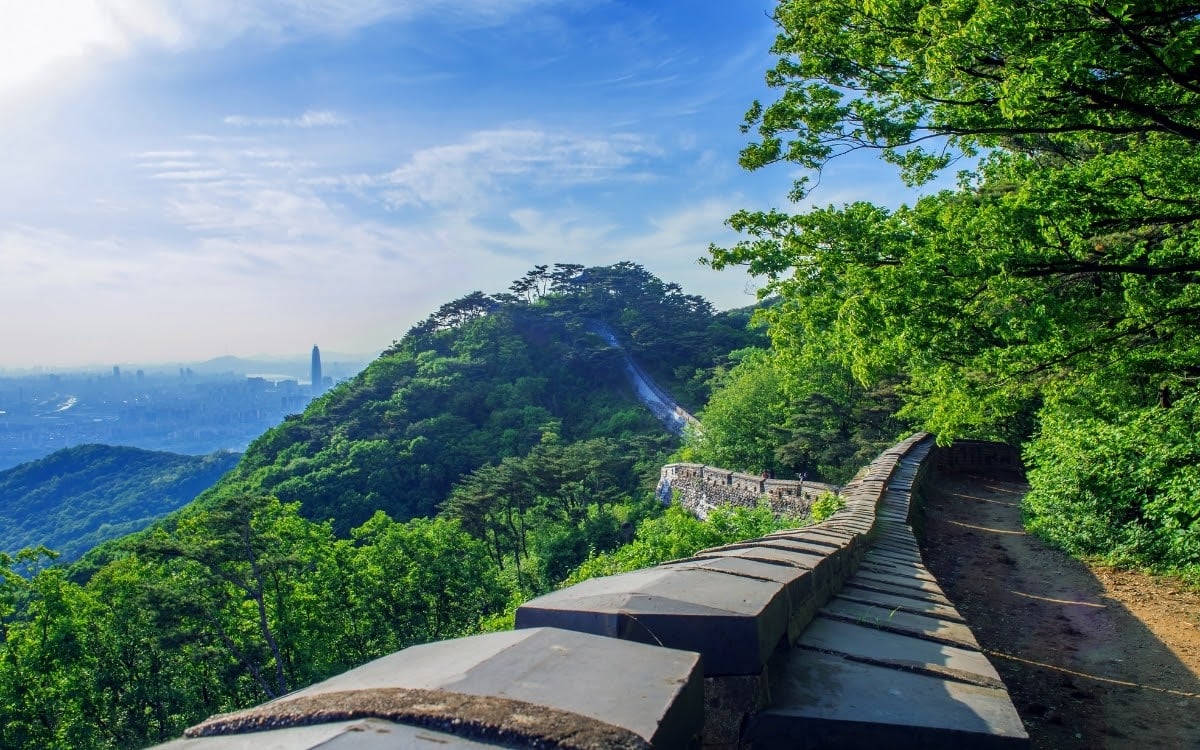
{"points": [[1079, 267]]}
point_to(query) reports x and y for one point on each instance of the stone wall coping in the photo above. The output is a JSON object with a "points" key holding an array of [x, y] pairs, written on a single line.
{"points": [[716, 473], [888, 661], [734, 621], [517, 687]]}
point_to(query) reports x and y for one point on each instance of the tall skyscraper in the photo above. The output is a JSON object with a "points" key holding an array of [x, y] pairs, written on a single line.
{"points": [[316, 371]]}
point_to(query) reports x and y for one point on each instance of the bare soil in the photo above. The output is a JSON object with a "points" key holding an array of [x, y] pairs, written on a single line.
{"points": [[1094, 657]]}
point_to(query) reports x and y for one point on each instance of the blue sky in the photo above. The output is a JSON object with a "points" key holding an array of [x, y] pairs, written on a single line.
{"points": [[185, 179]]}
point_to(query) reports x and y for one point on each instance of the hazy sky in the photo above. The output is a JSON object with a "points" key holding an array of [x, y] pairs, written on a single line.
{"points": [[184, 179]]}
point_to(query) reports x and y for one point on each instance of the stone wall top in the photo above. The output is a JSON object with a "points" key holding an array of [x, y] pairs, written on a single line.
{"points": [[528, 688], [888, 661], [737, 605]]}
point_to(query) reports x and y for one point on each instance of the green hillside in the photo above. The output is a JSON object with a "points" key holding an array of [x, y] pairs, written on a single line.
{"points": [[78, 497], [485, 378]]}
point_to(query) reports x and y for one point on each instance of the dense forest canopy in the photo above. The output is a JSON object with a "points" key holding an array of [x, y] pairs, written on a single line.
{"points": [[820, 423], [1053, 297]]}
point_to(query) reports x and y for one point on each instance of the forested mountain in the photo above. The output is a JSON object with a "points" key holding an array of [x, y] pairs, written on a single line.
{"points": [[480, 460], [483, 379], [78, 497]]}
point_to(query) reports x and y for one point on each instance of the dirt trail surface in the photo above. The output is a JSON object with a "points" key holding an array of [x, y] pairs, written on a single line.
{"points": [[1093, 657]]}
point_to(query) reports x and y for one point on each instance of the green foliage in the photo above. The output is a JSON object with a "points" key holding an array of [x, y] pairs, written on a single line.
{"points": [[820, 423], [743, 421], [1055, 293], [504, 412], [424, 580], [79, 497], [979, 74], [1123, 488], [545, 512], [825, 506], [1071, 243], [234, 569], [220, 608]]}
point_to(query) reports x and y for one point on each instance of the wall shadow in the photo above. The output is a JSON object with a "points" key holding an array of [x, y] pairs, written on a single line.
{"points": [[1083, 669]]}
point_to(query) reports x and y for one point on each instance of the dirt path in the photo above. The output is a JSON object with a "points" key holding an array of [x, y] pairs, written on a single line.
{"points": [[1093, 657]]}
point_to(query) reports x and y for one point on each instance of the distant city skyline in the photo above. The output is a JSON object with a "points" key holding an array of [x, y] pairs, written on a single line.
{"points": [[259, 363], [186, 179], [184, 412]]}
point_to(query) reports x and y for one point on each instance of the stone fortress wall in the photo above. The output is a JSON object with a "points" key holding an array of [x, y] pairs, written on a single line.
{"points": [[701, 488], [826, 636]]}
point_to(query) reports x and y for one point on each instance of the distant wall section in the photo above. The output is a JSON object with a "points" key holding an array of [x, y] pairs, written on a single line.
{"points": [[701, 488]]}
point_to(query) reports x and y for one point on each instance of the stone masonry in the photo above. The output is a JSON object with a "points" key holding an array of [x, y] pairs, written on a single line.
{"points": [[701, 488]]}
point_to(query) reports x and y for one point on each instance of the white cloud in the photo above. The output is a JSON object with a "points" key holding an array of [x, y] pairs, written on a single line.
{"points": [[150, 156], [465, 174], [171, 164], [535, 235], [40, 260], [259, 237], [324, 198], [282, 20], [313, 118], [191, 174], [253, 210]]}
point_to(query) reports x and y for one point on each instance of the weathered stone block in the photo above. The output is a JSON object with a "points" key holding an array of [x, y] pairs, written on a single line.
{"points": [[908, 591], [821, 566], [884, 648], [796, 581], [917, 572], [915, 604], [728, 702], [899, 621], [521, 688], [357, 734], [817, 544], [903, 558], [734, 622]]}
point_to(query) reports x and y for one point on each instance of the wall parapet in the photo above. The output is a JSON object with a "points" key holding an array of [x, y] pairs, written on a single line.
{"points": [[700, 488]]}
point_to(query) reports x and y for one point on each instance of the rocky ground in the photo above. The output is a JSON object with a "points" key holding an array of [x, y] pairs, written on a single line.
{"points": [[1094, 657]]}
